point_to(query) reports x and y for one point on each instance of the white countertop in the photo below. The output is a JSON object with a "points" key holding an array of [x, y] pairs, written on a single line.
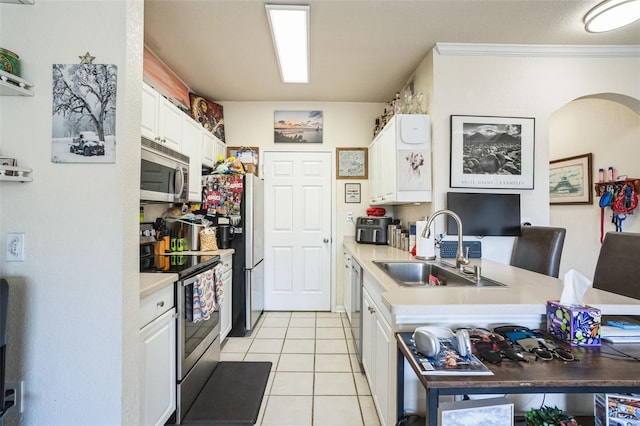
{"points": [[526, 292], [154, 281]]}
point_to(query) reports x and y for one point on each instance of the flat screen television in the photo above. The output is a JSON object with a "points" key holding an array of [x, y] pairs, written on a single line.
{"points": [[484, 215]]}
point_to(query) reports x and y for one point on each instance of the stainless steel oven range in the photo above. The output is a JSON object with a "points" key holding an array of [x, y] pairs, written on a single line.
{"points": [[198, 343]]}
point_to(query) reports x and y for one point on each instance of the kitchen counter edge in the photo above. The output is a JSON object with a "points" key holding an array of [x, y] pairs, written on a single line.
{"points": [[154, 281]]}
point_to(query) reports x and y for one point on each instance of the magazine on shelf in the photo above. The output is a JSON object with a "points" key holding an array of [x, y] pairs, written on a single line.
{"points": [[447, 362]]}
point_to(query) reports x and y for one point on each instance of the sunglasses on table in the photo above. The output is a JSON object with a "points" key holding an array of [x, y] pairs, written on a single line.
{"points": [[535, 342]]}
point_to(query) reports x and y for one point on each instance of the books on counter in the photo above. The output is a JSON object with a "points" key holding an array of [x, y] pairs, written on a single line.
{"points": [[619, 335], [625, 325], [447, 362]]}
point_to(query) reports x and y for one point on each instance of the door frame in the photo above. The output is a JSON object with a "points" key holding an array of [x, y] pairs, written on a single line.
{"points": [[334, 245]]}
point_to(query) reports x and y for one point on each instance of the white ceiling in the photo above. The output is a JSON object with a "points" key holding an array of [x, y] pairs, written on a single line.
{"points": [[361, 50]]}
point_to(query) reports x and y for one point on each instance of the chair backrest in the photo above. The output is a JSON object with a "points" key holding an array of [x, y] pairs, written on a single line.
{"points": [[618, 267], [539, 249]]}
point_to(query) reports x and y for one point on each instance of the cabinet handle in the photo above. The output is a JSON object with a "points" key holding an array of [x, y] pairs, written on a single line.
{"points": [[371, 310], [160, 303]]}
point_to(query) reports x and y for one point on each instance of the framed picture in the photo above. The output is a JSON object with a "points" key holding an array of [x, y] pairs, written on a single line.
{"points": [[492, 152], [297, 126], [351, 163], [352, 193], [248, 155], [570, 180], [83, 123], [208, 113], [494, 411]]}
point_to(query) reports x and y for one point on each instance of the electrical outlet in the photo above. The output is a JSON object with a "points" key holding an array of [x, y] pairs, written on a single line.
{"points": [[17, 396], [15, 247], [349, 216]]}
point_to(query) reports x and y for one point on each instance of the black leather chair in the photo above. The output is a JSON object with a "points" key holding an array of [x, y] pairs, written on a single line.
{"points": [[539, 249], [618, 267]]}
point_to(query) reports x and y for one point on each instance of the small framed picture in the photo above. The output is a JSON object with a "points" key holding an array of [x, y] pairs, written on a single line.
{"points": [[351, 163], [570, 180], [495, 411], [11, 162], [352, 193]]}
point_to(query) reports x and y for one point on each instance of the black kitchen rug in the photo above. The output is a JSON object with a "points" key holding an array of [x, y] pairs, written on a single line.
{"points": [[232, 396]]}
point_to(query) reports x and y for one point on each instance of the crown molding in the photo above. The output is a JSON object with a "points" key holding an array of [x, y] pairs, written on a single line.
{"points": [[539, 50]]}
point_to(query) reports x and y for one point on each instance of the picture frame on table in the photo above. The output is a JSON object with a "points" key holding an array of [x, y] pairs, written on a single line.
{"points": [[571, 180], [492, 152], [497, 411], [352, 163], [352, 193]]}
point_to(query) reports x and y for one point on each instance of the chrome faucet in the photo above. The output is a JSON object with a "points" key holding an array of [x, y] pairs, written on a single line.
{"points": [[461, 260]]}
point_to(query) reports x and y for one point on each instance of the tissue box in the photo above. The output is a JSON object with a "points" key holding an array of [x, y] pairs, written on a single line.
{"points": [[578, 325], [616, 409]]}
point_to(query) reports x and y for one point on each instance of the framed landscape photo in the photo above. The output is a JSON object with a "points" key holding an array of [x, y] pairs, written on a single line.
{"points": [[298, 126], [570, 180], [492, 152], [351, 163]]}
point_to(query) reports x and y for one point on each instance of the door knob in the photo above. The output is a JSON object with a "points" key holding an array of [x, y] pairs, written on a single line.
{"points": [[326, 240]]}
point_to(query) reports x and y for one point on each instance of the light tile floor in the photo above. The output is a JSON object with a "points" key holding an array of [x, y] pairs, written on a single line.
{"points": [[315, 377]]}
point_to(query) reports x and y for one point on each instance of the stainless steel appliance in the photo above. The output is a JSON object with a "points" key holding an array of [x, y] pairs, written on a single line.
{"points": [[163, 174], [198, 343], [356, 306], [238, 201], [372, 230]]}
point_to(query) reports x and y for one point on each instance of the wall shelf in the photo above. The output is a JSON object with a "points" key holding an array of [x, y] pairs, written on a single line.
{"points": [[12, 85], [18, 1], [601, 187], [15, 174]]}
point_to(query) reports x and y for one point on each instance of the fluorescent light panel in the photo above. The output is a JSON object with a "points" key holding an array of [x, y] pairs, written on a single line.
{"points": [[612, 14], [290, 31]]}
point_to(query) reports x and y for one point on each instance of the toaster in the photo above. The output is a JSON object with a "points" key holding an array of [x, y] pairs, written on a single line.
{"points": [[372, 230]]}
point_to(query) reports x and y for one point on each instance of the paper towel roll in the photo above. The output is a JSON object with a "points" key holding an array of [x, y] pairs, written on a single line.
{"points": [[425, 247]]}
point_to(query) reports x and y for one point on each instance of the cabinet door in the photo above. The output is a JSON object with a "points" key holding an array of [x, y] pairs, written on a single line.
{"points": [[226, 317], [158, 375], [192, 146], [368, 324], [208, 149], [382, 391], [346, 293], [374, 172], [387, 153], [170, 122], [150, 100]]}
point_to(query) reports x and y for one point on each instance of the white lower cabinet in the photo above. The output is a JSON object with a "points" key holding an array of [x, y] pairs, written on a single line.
{"points": [[158, 356], [378, 359], [226, 318]]}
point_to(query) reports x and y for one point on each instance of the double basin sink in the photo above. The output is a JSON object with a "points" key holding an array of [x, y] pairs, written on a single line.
{"points": [[433, 275]]}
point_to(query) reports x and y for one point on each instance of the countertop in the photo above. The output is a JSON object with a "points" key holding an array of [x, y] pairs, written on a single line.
{"points": [[152, 282], [526, 292]]}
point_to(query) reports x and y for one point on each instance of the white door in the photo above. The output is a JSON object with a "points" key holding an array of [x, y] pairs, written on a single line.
{"points": [[297, 225]]}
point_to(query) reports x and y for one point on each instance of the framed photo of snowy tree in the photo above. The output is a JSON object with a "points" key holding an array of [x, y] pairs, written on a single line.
{"points": [[492, 152], [84, 113]]}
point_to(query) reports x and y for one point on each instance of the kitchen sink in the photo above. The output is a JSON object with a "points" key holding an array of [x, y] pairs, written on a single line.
{"points": [[432, 274]]}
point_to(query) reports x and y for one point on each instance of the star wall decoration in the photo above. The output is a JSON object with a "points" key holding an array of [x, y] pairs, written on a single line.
{"points": [[86, 59]]}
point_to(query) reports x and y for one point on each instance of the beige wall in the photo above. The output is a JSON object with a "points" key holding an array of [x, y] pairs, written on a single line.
{"points": [[345, 125], [611, 132], [73, 334]]}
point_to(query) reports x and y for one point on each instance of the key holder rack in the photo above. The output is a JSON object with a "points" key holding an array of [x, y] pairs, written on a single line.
{"points": [[615, 187]]}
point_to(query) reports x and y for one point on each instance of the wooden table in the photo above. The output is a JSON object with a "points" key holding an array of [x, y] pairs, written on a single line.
{"points": [[597, 371]]}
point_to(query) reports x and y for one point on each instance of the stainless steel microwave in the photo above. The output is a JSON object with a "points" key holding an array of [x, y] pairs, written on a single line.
{"points": [[163, 174]]}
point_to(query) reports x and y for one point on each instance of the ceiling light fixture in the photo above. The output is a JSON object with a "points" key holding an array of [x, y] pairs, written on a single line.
{"points": [[290, 32], [612, 14]]}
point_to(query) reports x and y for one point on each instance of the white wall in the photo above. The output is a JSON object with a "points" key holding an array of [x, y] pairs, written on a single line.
{"points": [[73, 335], [611, 132], [345, 125], [517, 86]]}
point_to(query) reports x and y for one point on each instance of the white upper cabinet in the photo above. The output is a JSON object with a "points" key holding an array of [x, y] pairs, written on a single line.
{"points": [[400, 161], [192, 137], [161, 120]]}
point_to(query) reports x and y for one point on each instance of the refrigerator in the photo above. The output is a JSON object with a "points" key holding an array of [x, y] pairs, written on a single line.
{"points": [[238, 201]]}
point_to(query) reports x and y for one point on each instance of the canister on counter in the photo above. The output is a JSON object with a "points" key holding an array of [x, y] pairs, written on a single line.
{"points": [[412, 236]]}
